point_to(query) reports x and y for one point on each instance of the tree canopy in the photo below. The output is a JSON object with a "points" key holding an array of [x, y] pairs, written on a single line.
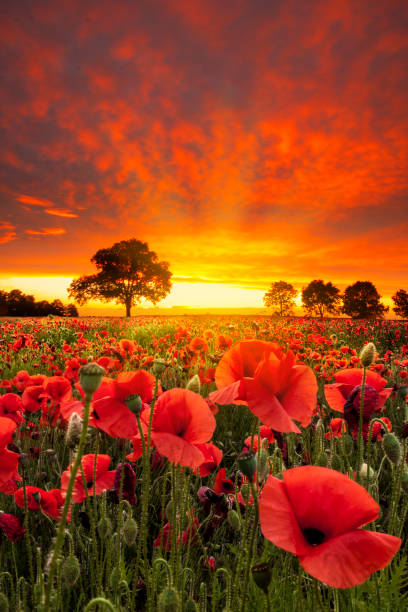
{"points": [[400, 299], [320, 298], [281, 294], [127, 272], [15, 303], [362, 301]]}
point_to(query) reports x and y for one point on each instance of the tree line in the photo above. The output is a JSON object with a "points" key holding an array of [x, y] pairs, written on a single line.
{"points": [[360, 300], [15, 303]]}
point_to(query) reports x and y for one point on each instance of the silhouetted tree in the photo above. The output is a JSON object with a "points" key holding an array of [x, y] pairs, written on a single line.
{"points": [[362, 301], [320, 298], [400, 300], [71, 310], [127, 272], [58, 308], [281, 294]]}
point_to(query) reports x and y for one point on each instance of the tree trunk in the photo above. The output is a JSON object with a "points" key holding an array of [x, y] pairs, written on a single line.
{"points": [[128, 306]]}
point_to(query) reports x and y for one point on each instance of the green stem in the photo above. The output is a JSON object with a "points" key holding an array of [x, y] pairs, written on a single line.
{"points": [[254, 527], [360, 442]]}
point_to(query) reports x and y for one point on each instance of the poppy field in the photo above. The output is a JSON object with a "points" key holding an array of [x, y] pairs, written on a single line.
{"points": [[205, 463]]}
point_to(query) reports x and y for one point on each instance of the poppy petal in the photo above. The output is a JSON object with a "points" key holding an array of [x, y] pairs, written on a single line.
{"points": [[349, 559], [177, 450], [328, 500], [335, 396], [354, 377], [277, 519], [227, 395], [239, 361], [299, 400], [267, 407]]}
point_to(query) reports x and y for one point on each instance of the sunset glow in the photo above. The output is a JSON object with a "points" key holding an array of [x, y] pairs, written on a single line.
{"points": [[245, 142]]}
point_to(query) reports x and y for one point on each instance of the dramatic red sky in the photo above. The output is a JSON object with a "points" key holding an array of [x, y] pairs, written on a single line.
{"points": [[246, 141]]}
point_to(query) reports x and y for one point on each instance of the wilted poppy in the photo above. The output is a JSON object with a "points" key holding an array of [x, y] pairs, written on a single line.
{"points": [[181, 422], [97, 477], [276, 390], [11, 526], [316, 513]]}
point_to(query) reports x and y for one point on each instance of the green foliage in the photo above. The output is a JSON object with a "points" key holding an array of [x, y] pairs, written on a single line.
{"points": [[362, 301], [281, 294], [400, 299], [320, 298]]}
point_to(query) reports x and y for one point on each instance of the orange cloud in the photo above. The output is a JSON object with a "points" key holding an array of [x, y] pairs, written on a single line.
{"points": [[26, 199], [60, 212], [47, 231]]}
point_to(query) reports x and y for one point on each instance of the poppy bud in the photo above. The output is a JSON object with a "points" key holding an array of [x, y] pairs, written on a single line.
{"points": [[4, 603], [104, 527], [130, 531], [37, 496], [392, 448], [74, 430], [245, 492], [263, 465], [211, 563], [169, 600], [247, 463], [364, 469], [234, 520], [336, 463], [115, 577], [134, 403], [262, 575], [90, 377], [191, 606], [322, 459], [348, 444], [70, 570], [159, 365], [367, 354], [194, 384]]}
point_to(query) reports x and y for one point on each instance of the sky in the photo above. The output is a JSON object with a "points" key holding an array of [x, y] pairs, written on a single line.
{"points": [[246, 141]]}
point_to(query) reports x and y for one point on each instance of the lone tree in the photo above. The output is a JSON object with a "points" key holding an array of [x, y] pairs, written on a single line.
{"points": [[281, 294], [127, 272], [400, 300], [362, 301], [320, 298]]}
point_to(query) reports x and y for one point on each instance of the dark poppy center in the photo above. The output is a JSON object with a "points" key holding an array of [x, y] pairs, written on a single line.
{"points": [[313, 536], [89, 484]]}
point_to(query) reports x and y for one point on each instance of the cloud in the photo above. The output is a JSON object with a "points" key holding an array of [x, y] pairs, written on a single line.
{"points": [[26, 199], [7, 233], [47, 231], [60, 212]]}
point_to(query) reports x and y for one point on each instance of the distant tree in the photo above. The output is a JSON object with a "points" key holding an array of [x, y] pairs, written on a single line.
{"points": [[71, 311], [58, 308], [127, 272], [320, 298], [400, 300], [362, 301], [3, 303], [281, 294], [43, 308]]}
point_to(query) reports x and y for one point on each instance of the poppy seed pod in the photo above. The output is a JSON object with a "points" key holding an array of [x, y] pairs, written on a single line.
{"points": [[169, 600], [367, 354], [247, 463], [134, 403], [262, 575], [70, 570], [194, 384], [90, 377], [392, 448]]}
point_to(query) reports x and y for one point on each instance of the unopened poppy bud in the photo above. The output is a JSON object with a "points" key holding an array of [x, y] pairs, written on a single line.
{"points": [[262, 575], [74, 430], [322, 459], [159, 365], [130, 531], [211, 563], [245, 492], [169, 600], [234, 520], [134, 403], [104, 527], [4, 603], [336, 463], [90, 377], [190, 606], [247, 463], [115, 577], [364, 469], [70, 570], [169, 509], [263, 465], [367, 354], [392, 448], [194, 384], [37, 496], [348, 444]]}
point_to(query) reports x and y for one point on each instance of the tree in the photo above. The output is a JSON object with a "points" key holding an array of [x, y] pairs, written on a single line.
{"points": [[362, 301], [281, 294], [127, 272], [320, 298], [400, 300], [70, 310]]}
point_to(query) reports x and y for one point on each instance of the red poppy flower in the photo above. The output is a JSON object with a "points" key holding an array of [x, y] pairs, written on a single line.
{"points": [[103, 480], [10, 486], [265, 433], [212, 458], [182, 421], [33, 398], [223, 484], [8, 459], [11, 407], [348, 381], [337, 429], [50, 502], [267, 379], [316, 514], [11, 526]]}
